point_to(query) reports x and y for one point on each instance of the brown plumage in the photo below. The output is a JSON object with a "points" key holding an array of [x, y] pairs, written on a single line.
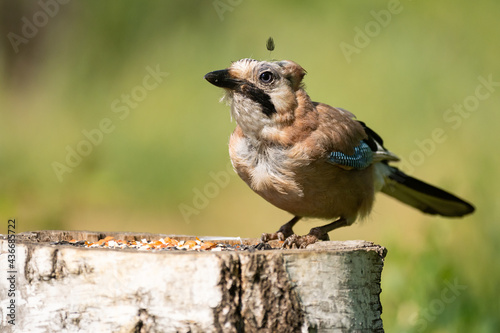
{"points": [[282, 148]]}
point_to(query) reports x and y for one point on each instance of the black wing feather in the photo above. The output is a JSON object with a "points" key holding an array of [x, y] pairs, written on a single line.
{"points": [[373, 137]]}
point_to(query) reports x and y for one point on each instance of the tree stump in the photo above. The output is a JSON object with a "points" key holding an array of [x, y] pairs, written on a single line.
{"points": [[328, 287]]}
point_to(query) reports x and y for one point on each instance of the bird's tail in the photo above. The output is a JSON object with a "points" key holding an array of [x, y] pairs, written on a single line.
{"points": [[425, 197]]}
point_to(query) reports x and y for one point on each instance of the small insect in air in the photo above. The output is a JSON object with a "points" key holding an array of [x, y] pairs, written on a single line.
{"points": [[270, 44]]}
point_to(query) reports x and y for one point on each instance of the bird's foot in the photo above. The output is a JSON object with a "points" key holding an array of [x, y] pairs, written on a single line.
{"points": [[269, 237], [283, 233], [301, 242]]}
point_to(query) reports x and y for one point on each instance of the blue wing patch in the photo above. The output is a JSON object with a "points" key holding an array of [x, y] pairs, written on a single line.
{"points": [[362, 157]]}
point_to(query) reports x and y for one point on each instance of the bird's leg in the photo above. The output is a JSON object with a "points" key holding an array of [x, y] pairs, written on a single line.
{"points": [[283, 233], [315, 234]]}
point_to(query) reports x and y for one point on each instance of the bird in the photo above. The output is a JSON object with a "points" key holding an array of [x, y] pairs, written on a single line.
{"points": [[311, 159]]}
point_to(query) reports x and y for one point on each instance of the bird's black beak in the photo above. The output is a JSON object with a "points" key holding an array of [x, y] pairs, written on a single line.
{"points": [[222, 79]]}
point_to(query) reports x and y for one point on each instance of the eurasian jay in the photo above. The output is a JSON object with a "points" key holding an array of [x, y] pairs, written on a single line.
{"points": [[311, 159]]}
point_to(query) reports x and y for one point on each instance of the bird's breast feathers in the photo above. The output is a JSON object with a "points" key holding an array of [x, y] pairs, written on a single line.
{"points": [[264, 167]]}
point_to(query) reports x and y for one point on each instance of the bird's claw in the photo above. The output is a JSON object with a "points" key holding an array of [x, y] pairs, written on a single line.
{"points": [[299, 242], [269, 237]]}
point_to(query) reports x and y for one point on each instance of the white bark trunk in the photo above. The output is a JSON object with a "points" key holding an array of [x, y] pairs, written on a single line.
{"points": [[329, 287]]}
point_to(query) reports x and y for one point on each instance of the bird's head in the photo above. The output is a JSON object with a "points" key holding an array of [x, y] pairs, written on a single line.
{"points": [[263, 94]]}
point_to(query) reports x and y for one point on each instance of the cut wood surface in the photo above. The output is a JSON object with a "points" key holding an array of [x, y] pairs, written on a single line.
{"points": [[328, 287]]}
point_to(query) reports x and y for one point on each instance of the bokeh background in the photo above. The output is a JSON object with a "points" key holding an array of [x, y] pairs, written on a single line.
{"points": [[161, 165]]}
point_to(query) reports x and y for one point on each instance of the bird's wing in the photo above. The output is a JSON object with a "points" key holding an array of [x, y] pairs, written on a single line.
{"points": [[369, 150], [362, 157], [380, 153]]}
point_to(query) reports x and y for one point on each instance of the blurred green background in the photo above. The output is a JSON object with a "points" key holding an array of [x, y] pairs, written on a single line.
{"points": [[160, 162]]}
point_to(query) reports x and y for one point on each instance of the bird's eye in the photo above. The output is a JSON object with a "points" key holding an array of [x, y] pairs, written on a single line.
{"points": [[266, 77]]}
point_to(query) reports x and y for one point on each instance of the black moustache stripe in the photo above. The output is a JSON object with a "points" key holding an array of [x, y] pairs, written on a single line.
{"points": [[258, 95]]}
